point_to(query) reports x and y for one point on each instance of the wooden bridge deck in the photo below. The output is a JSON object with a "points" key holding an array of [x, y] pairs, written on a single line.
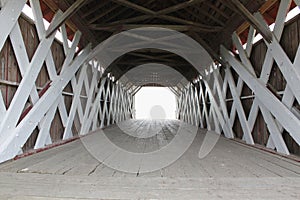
{"points": [[230, 171]]}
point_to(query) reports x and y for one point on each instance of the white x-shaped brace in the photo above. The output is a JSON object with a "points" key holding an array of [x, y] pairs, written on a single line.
{"points": [[274, 50], [116, 106], [189, 106], [20, 134], [29, 71]]}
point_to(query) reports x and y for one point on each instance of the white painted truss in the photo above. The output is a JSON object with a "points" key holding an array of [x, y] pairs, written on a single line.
{"points": [[99, 102], [104, 102], [278, 114]]}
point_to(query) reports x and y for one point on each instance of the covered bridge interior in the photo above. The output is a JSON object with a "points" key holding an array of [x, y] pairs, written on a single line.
{"points": [[69, 73]]}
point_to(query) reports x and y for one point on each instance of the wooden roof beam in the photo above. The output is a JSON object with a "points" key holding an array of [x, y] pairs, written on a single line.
{"points": [[135, 7], [218, 10], [102, 14], [95, 8], [179, 7], [66, 15], [124, 21], [203, 12], [244, 12], [264, 8], [123, 27]]}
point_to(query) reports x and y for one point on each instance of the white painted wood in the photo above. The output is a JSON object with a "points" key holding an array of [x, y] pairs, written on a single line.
{"points": [[204, 107], [287, 98], [18, 136], [250, 39], [75, 102], [19, 100], [283, 9], [242, 54], [276, 134], [51, 69], [198, 110], [227, 130], [239, 108], [264, 77], [221, 96], [10, 12], [18, 45], [288, 70], [95, 107], [44, 133], [63, 31], [282, 114], [38, 16], [246, 61]]}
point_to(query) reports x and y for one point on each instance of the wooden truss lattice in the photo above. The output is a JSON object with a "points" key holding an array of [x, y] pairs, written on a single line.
{"points": [[14, 129], [278, 114]]}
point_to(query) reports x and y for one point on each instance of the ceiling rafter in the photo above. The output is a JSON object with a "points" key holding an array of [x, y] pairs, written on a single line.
{"points": [[218, 10], [179, 7], [115, 14], [162, 13], [203, 12], [128, 20], [263, 10], [100, 15], [196, 18], [135, 7], [149, 56], [94, 9], [244, 12], [123, 27], [124, 13], [79, 24], [66, 15], [189, 24]]}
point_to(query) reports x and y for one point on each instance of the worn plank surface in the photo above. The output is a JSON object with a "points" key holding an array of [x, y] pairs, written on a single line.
{"points": [[230, 171]]}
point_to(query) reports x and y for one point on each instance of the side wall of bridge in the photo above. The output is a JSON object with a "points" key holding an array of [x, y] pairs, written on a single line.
{"points": [[254, 96], [50, 91]]}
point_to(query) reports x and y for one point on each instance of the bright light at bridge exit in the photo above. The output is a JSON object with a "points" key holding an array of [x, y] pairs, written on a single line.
{"points": [[155, 103]]}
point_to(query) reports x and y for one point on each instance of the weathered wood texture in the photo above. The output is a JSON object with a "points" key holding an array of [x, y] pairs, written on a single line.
{"points": [[231, 170], [10, 76]]}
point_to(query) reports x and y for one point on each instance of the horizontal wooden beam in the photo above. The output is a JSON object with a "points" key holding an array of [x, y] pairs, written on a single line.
{"points": [[124, 21], [124, 27], [165, 17]]}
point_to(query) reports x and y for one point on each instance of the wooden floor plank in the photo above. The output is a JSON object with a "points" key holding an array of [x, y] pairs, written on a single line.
{"points": [[88, 187], [231, 170]]}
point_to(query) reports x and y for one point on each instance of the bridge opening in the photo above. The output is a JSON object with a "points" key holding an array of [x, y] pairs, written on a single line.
{"points": [[155, 103]]}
